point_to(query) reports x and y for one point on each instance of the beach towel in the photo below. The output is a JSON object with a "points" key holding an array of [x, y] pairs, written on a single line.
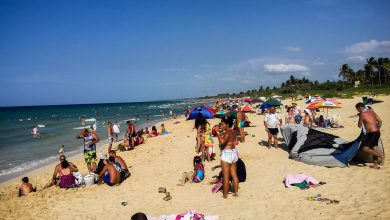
{"points": [[173, 217], [299, 178]]}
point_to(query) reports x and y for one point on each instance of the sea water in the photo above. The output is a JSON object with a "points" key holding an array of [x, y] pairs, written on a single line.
{"points": [[21, 152]]}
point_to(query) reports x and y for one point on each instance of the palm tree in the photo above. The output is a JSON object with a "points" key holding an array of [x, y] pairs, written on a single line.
{"points": [[369, 68], [346, 73]]}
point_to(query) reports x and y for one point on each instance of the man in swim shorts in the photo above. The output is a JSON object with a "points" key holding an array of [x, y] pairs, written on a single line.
{"points": [[90, 139], [371, 125], [113, 175], [241, 123], [271, 121]]}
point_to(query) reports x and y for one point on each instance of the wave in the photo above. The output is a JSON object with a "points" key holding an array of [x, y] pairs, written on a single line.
{"points": [[33, 164]]}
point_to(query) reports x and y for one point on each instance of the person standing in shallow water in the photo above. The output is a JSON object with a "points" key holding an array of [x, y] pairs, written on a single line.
{"points": [[371, 124], [229, 155]]}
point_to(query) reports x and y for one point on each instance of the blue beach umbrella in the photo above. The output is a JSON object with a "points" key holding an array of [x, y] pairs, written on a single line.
{"points": [[200, 110], [265, 105]]}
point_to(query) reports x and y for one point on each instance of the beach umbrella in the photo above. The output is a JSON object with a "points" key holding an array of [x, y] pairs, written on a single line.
{"points": [[312, 105], [200, 110], [248, 100], [232, 114], [265, 105], [246, 109], [212, 110], [333, 100], [220, 113], [256, 101], [234, 106], [273, 102], [327, 104]]}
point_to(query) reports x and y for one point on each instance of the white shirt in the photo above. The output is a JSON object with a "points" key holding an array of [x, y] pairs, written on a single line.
{"points": [[296, 110], [272, 120], [115, 127]]}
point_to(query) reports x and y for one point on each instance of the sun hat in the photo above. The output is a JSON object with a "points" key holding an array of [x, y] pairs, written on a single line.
{"points": [[307, 111]]}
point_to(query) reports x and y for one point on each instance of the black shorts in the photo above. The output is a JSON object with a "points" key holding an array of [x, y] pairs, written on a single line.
{"points": [[372, 139], [273, 131]]}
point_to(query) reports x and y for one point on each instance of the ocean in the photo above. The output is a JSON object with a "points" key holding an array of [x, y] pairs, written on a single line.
{"points": [[58, 125]]}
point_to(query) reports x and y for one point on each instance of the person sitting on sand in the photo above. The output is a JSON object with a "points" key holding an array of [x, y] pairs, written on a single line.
{"points": [[229, 156], [125, 170], [146, 131], [154, 132], [195, 176], [57, 172], [139, 139], [111, 173], [307, 120], [370, 122], [67, 179], [25, 188], [102, 162], [90, 139], [163, 130], [290, 116]]}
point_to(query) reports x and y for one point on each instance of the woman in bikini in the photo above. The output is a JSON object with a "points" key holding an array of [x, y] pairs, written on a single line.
{"points": [[290, 115], [229, 155]]}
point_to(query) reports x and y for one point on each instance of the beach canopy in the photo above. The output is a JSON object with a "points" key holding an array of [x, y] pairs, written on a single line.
{"points": [[322, 149], [273, 102], [205, 111], [265, 105], [246, 109]]}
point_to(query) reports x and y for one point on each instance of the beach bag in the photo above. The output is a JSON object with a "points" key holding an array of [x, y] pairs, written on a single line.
{"points": [[217, 187], [79, 179], [190, 215]]}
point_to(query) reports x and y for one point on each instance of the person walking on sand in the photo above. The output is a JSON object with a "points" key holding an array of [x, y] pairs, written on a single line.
{"points": [[110, 134], [229, 155], [371, 124], [241, 123], [271, 121], [90, 139]]}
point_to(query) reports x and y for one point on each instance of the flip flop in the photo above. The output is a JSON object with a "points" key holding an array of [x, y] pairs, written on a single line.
{"points": [[167, 197], [162, 190]]}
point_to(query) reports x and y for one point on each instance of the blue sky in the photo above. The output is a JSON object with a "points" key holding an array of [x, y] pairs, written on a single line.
{"points": [[62, 52]]}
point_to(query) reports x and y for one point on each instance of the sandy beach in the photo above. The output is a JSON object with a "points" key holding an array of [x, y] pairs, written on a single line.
{"points": [[364, 193]]}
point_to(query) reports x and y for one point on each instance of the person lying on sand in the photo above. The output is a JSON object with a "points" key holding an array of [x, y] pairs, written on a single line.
{"points": [[113, 175], [25, 188], [125, 170]]}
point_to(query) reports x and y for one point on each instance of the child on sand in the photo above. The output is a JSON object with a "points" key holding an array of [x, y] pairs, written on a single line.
{"points": [[195, 176]]}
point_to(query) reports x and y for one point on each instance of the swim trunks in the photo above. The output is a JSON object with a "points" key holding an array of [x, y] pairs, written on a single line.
{"points": [[107, 180], [372, 139], [241, 124], [90, 156], [273, 131], [110, 140], [229, 155]]}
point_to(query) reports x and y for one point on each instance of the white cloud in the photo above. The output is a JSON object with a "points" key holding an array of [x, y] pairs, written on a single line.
{"points": [[197, 76], [368, 47], [356, 59], [170, 83], [293, 49], [284, 68]]}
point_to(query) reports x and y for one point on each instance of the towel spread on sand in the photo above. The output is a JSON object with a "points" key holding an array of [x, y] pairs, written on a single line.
{"points": [[173, 217], [298, 178]]}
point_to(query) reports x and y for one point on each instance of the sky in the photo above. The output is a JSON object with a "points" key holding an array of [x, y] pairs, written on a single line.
{"points": [[72, 52]]}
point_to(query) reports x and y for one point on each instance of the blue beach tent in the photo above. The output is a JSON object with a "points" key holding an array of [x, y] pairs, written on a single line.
{"points": [[200, 110]]}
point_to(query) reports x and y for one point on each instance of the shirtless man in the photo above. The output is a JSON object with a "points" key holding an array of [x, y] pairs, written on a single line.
{"points": [[110, 134], [371, 124], [113, 176], [241, 123], [125, 170], [57, 171], [25, 188]]}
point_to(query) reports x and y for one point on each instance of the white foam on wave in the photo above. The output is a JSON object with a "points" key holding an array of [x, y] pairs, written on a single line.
{"points": [[33, 164]]}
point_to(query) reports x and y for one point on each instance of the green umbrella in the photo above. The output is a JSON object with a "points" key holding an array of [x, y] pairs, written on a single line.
{"points": [[273, 102]]}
